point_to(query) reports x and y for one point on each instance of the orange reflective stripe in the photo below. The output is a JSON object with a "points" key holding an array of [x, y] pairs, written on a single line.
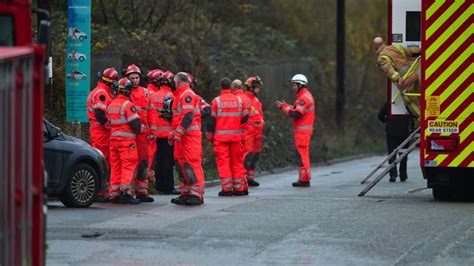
{"points": [[193, 128], [228, 132], [132, 117], [124, 134], [160, 128], [97, 105], [303, 127]]}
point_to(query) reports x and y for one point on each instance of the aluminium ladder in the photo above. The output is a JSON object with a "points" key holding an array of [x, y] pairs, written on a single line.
{"points": [[413, 139]]}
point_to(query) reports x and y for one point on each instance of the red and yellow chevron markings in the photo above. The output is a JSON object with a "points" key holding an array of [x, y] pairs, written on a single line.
{"points": [[449, 74]]}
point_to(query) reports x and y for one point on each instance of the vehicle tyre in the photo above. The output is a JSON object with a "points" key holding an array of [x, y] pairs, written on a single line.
{"points": [[81, 58], [81, 38], [84, 78], [81, 187], [441, 193]]}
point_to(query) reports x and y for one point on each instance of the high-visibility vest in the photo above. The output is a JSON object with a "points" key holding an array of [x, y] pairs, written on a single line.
{"points": [[256, 111], [304, 105], [186, 101], [228, 111], [122, 112], [162, 126], [98, 98], [141, 100]]}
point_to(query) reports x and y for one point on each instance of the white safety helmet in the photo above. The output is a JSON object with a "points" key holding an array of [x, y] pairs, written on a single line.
{"points": [[299, 79]]}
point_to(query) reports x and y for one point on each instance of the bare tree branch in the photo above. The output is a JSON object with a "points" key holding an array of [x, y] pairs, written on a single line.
{"points": [[119, 20], [152, 11], [104, 14], [134, 14], [163, 18]]}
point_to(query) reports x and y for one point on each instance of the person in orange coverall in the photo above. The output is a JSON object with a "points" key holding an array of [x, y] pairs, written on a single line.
{"points": [[186, 135], [254, 130], [164, 160], [153, 87], [97, 101], [125, 124], [140, 99], [303, 115], [224, 131]]}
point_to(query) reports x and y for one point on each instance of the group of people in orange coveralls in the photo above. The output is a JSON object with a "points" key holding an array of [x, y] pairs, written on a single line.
{"points": [[147, 133]]}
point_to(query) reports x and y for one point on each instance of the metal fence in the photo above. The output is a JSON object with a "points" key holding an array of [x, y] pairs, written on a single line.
{"points": [[21, 185]]}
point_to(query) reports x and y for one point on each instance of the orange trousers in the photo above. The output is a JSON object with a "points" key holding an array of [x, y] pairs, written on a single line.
{"points": [[151, 156], [230, 165], [188, 155], [100, 139], [123, 161], [140, 178], [302, 142], [252, 149]]}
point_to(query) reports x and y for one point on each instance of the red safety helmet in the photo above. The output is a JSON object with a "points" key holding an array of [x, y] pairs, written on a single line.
{"points": [[155, 74], [168, 78], [108, 75], [124, 86], [253, 81], [132, 69]]}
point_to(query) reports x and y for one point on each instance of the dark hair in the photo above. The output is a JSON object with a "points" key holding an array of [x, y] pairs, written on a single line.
{"points": [[225, 83]]}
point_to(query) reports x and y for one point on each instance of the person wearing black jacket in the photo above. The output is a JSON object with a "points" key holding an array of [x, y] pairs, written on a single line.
{"points": [[397, 130]]}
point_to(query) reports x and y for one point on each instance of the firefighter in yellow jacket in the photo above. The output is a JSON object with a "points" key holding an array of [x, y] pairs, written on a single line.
{"points": [[394, 61]]}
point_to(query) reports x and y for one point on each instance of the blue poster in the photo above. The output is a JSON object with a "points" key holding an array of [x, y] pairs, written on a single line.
{"points": [[78, 59]]}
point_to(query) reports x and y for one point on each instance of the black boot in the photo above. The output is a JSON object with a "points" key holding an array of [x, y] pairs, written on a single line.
{"points": [[301, 184], [253, 183], [240, 193], [403, 178], [115, 200], [145, 198], [225, 193], [102, 199], [125, 198], [181, 200], [392, 178], [193, 201]]}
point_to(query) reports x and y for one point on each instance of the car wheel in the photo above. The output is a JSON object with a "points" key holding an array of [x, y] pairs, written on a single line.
{"points": [[81, 58], [84, 78], [81, 38], [81, 187]]}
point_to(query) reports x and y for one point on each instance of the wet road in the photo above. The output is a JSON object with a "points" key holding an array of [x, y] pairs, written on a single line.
{"points": [[327, 224]]}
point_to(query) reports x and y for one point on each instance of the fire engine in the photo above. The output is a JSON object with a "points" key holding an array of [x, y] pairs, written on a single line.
{"points": [[446, 123], [444, 30], [22, 65]]}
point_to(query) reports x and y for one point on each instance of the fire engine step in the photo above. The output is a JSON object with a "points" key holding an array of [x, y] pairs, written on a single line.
{"points": [[413, 139]]}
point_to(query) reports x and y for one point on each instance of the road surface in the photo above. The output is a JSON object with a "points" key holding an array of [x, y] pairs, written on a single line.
{"points": [[327, 224]]}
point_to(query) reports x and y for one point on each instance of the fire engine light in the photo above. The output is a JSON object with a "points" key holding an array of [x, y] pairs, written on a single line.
{"points": [[443, 144]]}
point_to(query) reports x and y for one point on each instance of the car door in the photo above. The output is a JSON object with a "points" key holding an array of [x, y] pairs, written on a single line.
{"points": [[53, 157]]}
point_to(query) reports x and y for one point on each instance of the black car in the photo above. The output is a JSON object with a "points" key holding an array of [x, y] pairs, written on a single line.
{"points": [[76, 171]]}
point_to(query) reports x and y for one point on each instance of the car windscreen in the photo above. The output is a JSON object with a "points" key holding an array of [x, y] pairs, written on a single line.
{"points": [[7, 30]]}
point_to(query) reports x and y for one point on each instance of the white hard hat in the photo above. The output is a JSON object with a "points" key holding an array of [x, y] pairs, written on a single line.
{"points": [[299, 79]]}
